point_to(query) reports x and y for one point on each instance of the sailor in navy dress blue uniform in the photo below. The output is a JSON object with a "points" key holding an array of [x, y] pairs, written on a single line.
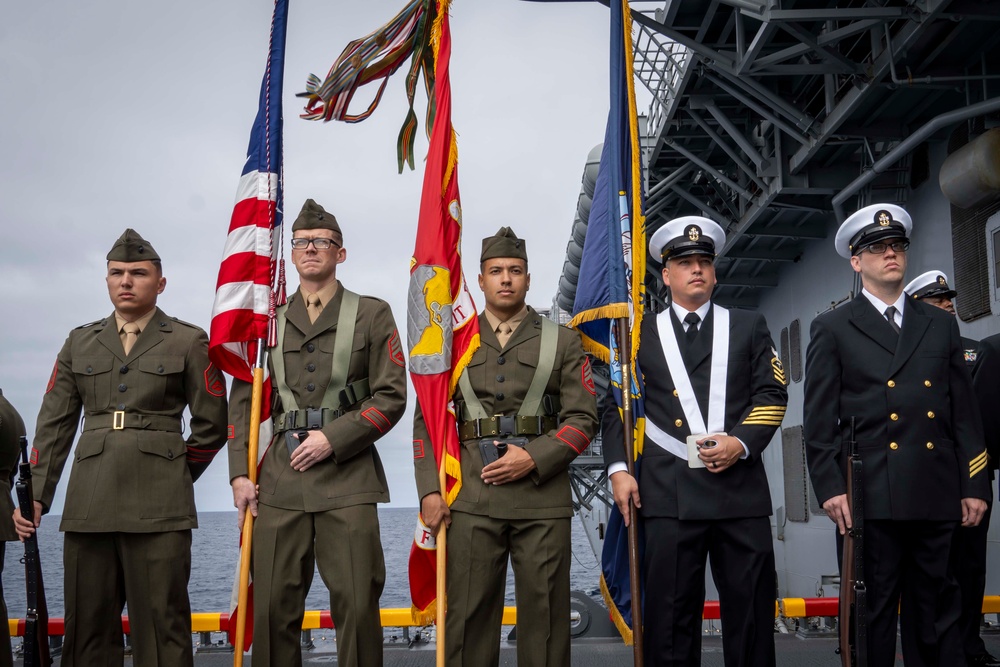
{"points": [[896, 366], [708, 372], [969, 550]]}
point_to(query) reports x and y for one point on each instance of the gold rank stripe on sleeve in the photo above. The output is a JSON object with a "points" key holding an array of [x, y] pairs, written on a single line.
{"points": [[779, 371], [978, 464], [765, 415]]}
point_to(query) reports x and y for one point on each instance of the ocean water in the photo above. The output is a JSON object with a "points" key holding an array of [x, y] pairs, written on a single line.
{"points": [[214, 555]]}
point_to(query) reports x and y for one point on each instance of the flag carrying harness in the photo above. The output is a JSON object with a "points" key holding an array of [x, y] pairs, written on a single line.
{"points": [[339, 395]]}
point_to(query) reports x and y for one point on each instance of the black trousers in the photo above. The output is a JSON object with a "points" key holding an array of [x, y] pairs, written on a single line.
{"points": [[742, 559], [968, 560], [907, 568]]}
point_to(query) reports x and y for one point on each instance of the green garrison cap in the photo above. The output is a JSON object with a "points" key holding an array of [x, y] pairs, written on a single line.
{"points": [[130, 247], [314, 216], [503, 244]]}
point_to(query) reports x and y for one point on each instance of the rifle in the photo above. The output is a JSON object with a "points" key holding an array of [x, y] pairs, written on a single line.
{"points": [[36, 622], [852, 620]]}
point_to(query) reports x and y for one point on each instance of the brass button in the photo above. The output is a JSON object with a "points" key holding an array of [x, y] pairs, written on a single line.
{"points": [[891, 383], [675, 393], [927, 383], [930, 414], [678, 423], [930, 445], [893, 445], [894, 417]]}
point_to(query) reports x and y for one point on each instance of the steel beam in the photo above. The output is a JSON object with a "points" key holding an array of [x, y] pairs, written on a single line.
{"points": [[783, 254], [723, 120], [825, 39], [789, 232], [832, 56], [908, 34], [760, 109], [733, 155], [748, 281], [707, 210], [709, 168]]}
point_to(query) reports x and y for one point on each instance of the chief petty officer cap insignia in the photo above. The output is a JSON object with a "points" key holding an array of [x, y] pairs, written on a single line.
{"points": [[130, 247], [690, 235], [932, 283], [872, 224]]}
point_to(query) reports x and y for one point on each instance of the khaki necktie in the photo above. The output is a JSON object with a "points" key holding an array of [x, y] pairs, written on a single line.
{"points": [[313, 307], [131, 330], [503, 333]]}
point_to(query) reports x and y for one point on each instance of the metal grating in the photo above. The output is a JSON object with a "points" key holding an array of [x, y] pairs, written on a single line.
{"points": [[793, 457], [795, 343]]}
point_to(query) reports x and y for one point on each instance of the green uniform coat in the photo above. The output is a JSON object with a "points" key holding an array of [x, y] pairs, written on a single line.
{"points": [[325, 514], [528, 519]]}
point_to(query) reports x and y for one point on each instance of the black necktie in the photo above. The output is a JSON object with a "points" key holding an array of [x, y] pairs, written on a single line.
{"points": [[890, 315], [691, 319]]}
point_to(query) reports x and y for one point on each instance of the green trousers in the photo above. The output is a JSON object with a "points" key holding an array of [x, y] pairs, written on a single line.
{"points": [[478, 549], [344, 543]]}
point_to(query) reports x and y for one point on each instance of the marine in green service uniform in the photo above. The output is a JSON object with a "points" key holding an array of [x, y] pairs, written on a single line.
{"points": [[519, 506], [129, 506], [339, 384], [11, 430]]}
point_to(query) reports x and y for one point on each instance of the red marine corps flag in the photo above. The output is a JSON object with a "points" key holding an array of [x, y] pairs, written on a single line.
{"points": [[442, 324]]}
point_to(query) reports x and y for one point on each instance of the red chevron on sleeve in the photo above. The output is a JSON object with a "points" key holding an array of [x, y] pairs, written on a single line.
{"points": [[588, 378], [418, 449], [396, 350], [573, 437], [377, 419], [52, 378]]}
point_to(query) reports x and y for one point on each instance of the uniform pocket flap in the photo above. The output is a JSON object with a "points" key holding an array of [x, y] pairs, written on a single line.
{"points": [[89, 446], [528, 357], [166, 447], [160, 365], [92, 365]]}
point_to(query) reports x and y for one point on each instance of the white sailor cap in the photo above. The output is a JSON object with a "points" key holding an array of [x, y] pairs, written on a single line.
{"points": [[690, 235], [870, 225], [932, 283]]}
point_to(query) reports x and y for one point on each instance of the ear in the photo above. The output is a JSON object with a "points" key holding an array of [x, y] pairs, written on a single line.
{"points": [[856, 263], [527, 284], [161, 285], [665, 273]]}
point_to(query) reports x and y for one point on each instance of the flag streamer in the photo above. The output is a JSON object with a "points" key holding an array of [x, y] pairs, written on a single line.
{"points": [[375, 57]]}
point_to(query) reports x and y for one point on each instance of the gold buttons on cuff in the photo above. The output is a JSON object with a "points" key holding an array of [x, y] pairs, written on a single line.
{"points": [[893, 445], [678, 423], [891, 383], [930, 445], [894, 417], [675, 393], [930, 414], [927, 383]]}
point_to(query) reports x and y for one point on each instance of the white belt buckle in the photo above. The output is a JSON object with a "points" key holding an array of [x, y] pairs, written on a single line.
{"points": [[118, 423]]}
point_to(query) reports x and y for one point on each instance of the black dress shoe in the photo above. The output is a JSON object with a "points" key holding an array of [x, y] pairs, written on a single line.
{"points": [[984, 660]]}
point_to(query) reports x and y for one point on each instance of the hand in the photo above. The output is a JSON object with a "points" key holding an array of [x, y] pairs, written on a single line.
{"points": [[723, 455], [24, 527], [625, 489], [512, 466], [972, 511], [840, 513], [313, 449], [433, 511], [244, 496]]}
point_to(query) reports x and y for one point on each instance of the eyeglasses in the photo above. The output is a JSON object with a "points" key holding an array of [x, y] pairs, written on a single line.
{"points": [[880, 248], [319, 244]]}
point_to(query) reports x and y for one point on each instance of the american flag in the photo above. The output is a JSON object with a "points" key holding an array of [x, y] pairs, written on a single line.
{"points": [[251, 279]]}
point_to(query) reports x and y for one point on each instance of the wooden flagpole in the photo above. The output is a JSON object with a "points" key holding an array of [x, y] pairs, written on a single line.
{"points": [[442, 562], [246, 541], [624, 344]]}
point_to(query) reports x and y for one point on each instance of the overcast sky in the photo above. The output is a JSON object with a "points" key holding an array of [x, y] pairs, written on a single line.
{"points": [[132, 114]]}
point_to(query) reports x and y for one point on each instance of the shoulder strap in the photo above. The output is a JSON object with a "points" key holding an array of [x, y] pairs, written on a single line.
{"points": [[346, 322], [473, 407], [278, 361], [546, 362]]}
